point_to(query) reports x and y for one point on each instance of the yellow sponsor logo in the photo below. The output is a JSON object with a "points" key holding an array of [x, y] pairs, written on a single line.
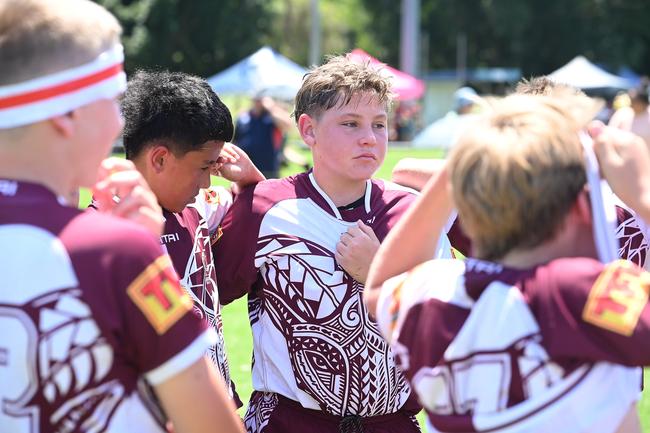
{"points": [[617, 298], [211, 196], [158, 294]]}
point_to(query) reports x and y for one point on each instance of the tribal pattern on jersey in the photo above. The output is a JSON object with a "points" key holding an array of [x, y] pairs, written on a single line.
{"points": [[337, 353], [200, 281], [259, 411], [63, 359], [633, 245]]}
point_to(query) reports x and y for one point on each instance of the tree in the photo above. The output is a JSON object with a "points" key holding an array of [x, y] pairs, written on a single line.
{"points": [[537, 36], [199, 37]]}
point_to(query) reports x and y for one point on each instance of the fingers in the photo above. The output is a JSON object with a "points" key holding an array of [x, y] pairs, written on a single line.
{"points": [[118, 184], [367, 230], [595, 128], [113, 165], [141, 206], [230, 153]]}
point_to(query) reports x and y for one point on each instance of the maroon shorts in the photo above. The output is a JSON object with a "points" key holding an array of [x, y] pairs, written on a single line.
{"points": [[273, 413]]}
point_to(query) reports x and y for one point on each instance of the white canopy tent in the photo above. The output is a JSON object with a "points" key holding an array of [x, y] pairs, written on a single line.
{"points": [[583, 74], [263, 72]]}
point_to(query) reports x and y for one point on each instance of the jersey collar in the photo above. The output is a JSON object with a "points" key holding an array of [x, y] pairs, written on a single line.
{"points": [[330, 202]]}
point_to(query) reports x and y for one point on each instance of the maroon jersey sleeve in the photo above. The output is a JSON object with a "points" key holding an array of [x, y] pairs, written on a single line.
{"points": [[234, 250], [135, 297], [459, 239], [589, 311]]}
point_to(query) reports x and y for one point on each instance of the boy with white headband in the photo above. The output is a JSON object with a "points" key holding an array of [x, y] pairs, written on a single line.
{"points": [[91, 311], [533, 333]]}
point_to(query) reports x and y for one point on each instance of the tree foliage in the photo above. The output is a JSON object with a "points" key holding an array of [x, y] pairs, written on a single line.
{"points": [[198, 36], [206, 36], [537, 36]]}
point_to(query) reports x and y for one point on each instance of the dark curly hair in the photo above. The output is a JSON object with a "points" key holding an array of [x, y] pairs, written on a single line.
{"points": [[177, 110]]}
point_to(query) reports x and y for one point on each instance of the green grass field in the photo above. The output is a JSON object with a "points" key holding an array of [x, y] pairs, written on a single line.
{"points": [[235, 315]]}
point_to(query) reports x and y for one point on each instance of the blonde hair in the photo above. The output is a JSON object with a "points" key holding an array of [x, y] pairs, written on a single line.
{"points": [[39, 37], [518, 170], [335, 83]]}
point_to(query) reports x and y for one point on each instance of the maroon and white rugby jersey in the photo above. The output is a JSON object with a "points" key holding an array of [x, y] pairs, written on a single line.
{"points": [[187, 238], [90, 309], [548, 349], [313, 341]]}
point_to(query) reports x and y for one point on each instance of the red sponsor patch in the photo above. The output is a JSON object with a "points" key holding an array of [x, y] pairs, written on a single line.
{"points": [[158, 294], [618, 297]]}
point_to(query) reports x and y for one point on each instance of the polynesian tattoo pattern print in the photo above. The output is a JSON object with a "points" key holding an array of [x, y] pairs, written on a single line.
{"points": [[337, 354], [69, 358], [200, 277], [632, 242], [259, 411]]}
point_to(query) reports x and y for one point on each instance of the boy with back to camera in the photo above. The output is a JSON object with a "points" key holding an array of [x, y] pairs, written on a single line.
{"points": [[90, 307], [631, 231], [300, 248], [532, 333]]}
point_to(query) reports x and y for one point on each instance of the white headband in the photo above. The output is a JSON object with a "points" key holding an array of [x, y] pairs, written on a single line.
{"points": [[59, 93], [603, 209]]}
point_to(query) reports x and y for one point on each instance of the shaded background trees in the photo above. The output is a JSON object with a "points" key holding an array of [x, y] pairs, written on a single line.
{"points": [[537, 36]]}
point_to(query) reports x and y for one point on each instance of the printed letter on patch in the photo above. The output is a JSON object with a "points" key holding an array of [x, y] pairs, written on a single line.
{"points": [[617, 298]]}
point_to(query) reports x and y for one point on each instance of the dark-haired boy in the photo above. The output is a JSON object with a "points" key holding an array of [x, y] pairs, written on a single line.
{"points": [[175, 128]]}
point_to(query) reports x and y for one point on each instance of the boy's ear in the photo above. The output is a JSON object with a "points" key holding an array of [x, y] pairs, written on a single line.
{"points": [[64, 124], [158, 157], [582, 207], [306, 129]]}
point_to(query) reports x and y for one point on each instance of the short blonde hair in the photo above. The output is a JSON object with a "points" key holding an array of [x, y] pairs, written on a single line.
{"points": [[516, 172], [335, 83], [39, 37]]}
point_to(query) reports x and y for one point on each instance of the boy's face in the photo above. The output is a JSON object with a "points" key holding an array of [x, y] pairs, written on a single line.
{"points": [[181, 178], [349, 142]]}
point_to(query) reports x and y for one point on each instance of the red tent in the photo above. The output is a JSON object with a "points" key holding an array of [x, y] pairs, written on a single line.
{"points": [[404, 85]]}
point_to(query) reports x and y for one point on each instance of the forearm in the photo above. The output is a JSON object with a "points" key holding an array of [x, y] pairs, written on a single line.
{"points": [[281, 117], [210, 407], [254, 177]]}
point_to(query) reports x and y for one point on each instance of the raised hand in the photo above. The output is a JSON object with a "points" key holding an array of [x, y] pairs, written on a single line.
{"points": [[122, 191], [625, 162], [236, 166], [356, 249]]}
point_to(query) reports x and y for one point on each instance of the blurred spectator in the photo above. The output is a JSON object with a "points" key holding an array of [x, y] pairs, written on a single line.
{"points": [[405, 120], [635, 117], [261, 132], [465, 100], [444, 132]]}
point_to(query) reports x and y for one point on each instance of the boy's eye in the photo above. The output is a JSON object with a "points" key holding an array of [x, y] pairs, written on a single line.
{"points": [[349, 123], [379, 125]]}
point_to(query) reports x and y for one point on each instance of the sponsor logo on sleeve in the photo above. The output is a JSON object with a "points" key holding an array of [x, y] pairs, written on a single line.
{"points": [[214, 237], [617, 298], [211, 196], [158, 294], [394, 307]]}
